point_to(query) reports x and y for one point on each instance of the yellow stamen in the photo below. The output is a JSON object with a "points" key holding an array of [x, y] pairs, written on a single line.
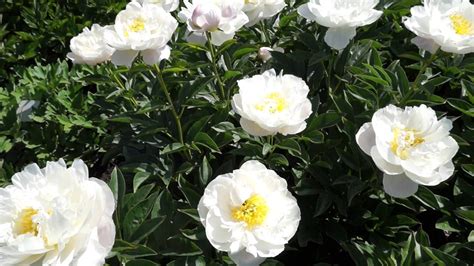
{"points": [[137, 25], [462, 25], [24, 224], [403, 141], [273, 102], [253, 211]]}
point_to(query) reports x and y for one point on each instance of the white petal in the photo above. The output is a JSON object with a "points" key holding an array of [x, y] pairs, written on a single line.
{"points": [[339, 38], [437, 176], [219, 37], [243, 258], [196, 37], [253, 165], [291, 130], [365, 138], [124, 57], [425, 44], [81, 170], [155, 56], [383, 165], [304, 11], [254, 129], [399, 186]]}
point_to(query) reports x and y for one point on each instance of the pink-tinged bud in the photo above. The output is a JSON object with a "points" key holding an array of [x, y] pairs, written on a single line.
{"points": [[206, 17], [264, 53]]}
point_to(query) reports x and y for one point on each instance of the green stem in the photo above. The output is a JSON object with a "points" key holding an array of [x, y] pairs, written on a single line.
{"points": [[122, 86], [170, 102], [220, 83], [423, 68], [265, 32]]}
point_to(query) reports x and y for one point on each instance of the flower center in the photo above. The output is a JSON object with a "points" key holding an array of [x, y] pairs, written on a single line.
{"points": [[253, 211], [24, 224], [272, 103], [137, 25], [461, 25], [403, 141]]}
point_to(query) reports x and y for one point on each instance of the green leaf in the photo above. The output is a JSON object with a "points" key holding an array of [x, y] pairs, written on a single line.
{"points": [[205, 171], [180, 246], [466, 213], [463, 106], [323, 203], [117, 185], [130, 250], [147, 228], [138, 179], [141, 262], [290, 145], [324, 121], [137, 215], [206, 141]]}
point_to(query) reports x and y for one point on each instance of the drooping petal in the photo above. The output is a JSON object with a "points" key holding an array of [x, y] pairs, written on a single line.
{"points": [[254, 129], [339, 38], [155, 56], [399, 186], [365, 138], [124, 57], [243, 258], [219, 37], [425, 44]]}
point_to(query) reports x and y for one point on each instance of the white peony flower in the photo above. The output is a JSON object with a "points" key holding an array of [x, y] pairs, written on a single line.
{"points": [[221, 18], [410, 146], [90, 47], [448, 24], [342, 17], [249, 213], [269, 104], [167, 5], [258, 10], [144, 29], [264, 53], [56, 216]]}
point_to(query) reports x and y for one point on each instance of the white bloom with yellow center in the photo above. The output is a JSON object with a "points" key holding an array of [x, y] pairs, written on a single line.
{"points": [[90, 47], [144, 29], [258, 10], [269, 104], [448, 24], [56, 216], [167, 5], [342, 17], [221, 18], [249, 213], [410, 146]]}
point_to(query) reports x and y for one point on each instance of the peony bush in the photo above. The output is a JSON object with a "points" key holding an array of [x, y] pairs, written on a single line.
{"points": [[259, 132]]}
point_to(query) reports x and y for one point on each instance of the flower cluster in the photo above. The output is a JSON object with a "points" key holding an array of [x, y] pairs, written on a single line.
{"points": [[410, 146], [249, 213], [241, 211], [56, 216]]}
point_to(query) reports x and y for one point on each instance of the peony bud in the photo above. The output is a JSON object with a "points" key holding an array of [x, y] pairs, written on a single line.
{"points": [[206, 17]]}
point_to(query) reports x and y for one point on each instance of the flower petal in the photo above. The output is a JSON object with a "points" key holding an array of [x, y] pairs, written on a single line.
{"points": [[124, 57], [365, 138], [399, 186], [383, 165], [339, 38], [243, 258], [425, 44], [155, 56], [254, 129]]}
